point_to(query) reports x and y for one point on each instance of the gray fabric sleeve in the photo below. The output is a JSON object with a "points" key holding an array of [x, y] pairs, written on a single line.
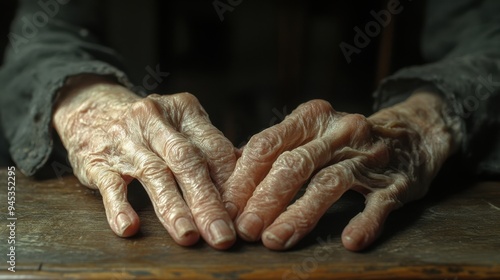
{"points": [[49, 42], [461, 43]]}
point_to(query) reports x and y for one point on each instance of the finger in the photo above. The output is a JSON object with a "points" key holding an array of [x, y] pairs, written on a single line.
{"points": [[217, 149], [289, 172], [162, 189], [190, 169], [122, 218], [366, 227], [201, 195], [325, 188], [264, 148]]}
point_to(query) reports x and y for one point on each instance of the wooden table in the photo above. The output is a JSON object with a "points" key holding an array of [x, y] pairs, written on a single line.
{"points": [[61, 232]]}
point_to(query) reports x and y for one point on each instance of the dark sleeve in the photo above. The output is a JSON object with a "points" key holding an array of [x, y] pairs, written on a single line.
{"points": [[49, 41], [461, 43]]}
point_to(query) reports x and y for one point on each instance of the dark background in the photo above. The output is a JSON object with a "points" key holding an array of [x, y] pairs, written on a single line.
{"points": [[263, 59]]}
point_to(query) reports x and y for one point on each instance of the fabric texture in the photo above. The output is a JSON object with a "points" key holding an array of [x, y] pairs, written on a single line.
{"points": [[40, 59], [461, 42]]}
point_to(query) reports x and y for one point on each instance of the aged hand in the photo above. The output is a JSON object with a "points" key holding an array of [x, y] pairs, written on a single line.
{"points": [[166, 142], [390, 157]]}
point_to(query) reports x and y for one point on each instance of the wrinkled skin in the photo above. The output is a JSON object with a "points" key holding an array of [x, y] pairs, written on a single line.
{"points": [[390, 157], [184, 163], [166, 142]]}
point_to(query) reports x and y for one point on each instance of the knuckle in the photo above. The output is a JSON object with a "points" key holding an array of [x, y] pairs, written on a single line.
{"points": [[312, 116], [212, 142], [239, 190], [109, 182], [180, 153], [295, 162], [358, 127], [185, 98], [327, 178], [337, 177], [149, 167], [221, 156], [154, 96], [110, 185], [90, 171], [221, 146], [145, 105], [188, 104], [356, 121], [318, 106], [289, 160], [322, 105], [263, 146]]}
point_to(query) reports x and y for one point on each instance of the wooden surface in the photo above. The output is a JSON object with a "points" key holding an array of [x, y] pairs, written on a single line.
{"points": [[61, 232]]}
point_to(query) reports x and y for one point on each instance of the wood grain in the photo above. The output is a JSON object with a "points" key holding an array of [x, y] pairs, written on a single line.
{"points": [[62, 233]]}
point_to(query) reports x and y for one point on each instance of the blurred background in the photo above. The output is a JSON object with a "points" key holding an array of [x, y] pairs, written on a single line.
{"points": [[263, 59]]}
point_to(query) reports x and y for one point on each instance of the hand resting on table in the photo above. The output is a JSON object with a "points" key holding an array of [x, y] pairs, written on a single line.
{"points": [[166, 142], [390, 157]]}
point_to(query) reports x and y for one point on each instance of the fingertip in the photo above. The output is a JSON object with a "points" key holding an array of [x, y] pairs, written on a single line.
{"points": [[361, 232], [125, 225], [250, 227], [367, 226], [280, 237], [186, 232], [121, 217], [353, 240], [224, 245], [221, 234]]}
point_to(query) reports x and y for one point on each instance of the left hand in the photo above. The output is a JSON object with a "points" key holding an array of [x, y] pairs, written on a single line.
{"points": [[390, 157]]}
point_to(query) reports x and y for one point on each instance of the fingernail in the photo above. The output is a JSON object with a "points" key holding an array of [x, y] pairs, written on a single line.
{"points": [[348, 239], [353, 239], [184, 227], [220, 232], [231, 209], [250, 227], [281, 235], [123, 223]]}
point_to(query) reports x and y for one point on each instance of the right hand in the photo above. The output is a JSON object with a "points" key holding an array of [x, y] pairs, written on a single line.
{"points": [[166, 142]]}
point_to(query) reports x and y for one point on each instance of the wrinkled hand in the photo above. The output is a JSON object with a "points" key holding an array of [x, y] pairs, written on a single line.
{"points": [[166, 142], [390, 158]]}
